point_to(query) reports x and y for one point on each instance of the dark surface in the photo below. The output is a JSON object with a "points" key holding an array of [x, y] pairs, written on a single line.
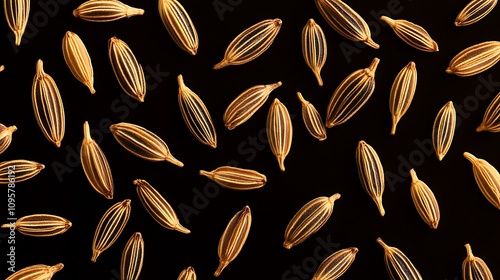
{"points": [[313, 168]]}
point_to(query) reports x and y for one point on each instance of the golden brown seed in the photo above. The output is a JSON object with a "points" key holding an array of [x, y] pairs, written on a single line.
{"points": [[40, 225], [314, 48], [2, 68], [397, 263], [196, 115], [336, 264], [279, 131], [38, 271], [132, 258], [491, 119], [105, 10], [246, 104], [475, 59], [16, 14], [371, 173], [236, 178], [251, 43], [48, 106], [424, 200], [487, 179], [412, 34], [444, 129], [187, 274], [474, 268], [110, 227], [233, 238], [142, 143], [15, 171], [95, 165], [158, 207], [78, 60], [179, 25], [402, 92], [6, 136], [474, 11], [312, 119], [352, 93], [346, 21], [309, 219]]}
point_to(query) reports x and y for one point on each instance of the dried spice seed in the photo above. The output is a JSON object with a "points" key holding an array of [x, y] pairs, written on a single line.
{"points": [[236, 178], [132, 258], [475, 59], [23, 170], [371, 173], [309, 219], [40, 225], [6, 136], [78, 60], [474, 11], [397, 263], [487, 179], [314, 48], [2, 68], [105, 11], [474, 268], [336, 264], [491, 119], [444, 129], [279, 131], [179, 25], [16, 14], [312, 119], [187, 274], [402, 92], [412, 34], [37, 271], [424, 200]]}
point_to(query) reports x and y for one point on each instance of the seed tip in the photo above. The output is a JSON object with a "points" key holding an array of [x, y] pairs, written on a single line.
{"points": [[221, 64], [481, 128], [222, 265], [449, 70]]}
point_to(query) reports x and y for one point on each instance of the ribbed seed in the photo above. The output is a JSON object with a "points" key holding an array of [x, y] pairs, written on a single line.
{"points": [[424, 200], [309, 219], [336, 264], [251, 43], [179, 25], [6, 136], [352, 93], [110, 227], [95, 165], [142, 143], [314, 48], [78, 60], [474, 11], [187, 274], [487, 179], [444, 129], [474, 268], [20, 168], [246, 104], [127, 70], [48, 106], [38, 271], [346, 21], [475, 59], [491, 119], [402, 92], [40, 225], [233, 238], [412, 34], [158, 207], [312, 119], [397, 263], [196, 115], [371, 173], [16, 14], [279, 131], [236, 178], [132, 258], [105, 10]]}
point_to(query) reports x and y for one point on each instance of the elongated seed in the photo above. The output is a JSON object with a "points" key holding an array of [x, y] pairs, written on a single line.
{"points": [[37, 271], [17, 14], [246, 104], [251, 43], [48, 106], [20, 168], [187, 274], [444, 129], [336, 264], [236, 178], [424, 200], [412, 34], [158, 207], [474, 268], [312, 119], [314, 48], [105, 11], [279, 131], [491, 119], [352, 93], [475, 59], [196, 115], [6, 136], [346, 21], [2, 68], [40, 225], [142, 143], [95, 165], [110, 227], [487, 178], [402, 92], [309, 219], [132, 258], [179, 25], [233, 238], [78, 60], [474, 11], [371, 173], [397, 263]]}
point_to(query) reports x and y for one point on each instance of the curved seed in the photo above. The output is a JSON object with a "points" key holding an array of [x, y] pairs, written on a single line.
{"points": [[371, 173], [474, 268], [402, 92], [336, 264], [179, 25], [187, 274], [20, 168], [314, 48], [279, 131], [110, 227], [48, 106], [397, 263], [474, 11], [491, 119], [475, 59], [132, 258], [40, 225], [412, 34], [105, 10], [78, 60], [142, 143], [309, 219], [312, 119], [424, 200], [487, 179], [233, 238], [2, 68], [444, 129], [16, 14], [236, 178], [6, 136], [158, 207], [95, 165], [352, 93], [37, 271], [346, 21], [251, 43], [246, 104]]}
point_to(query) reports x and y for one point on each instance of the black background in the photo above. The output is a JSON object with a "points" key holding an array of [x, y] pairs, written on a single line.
{"points": [[313, 168]]}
